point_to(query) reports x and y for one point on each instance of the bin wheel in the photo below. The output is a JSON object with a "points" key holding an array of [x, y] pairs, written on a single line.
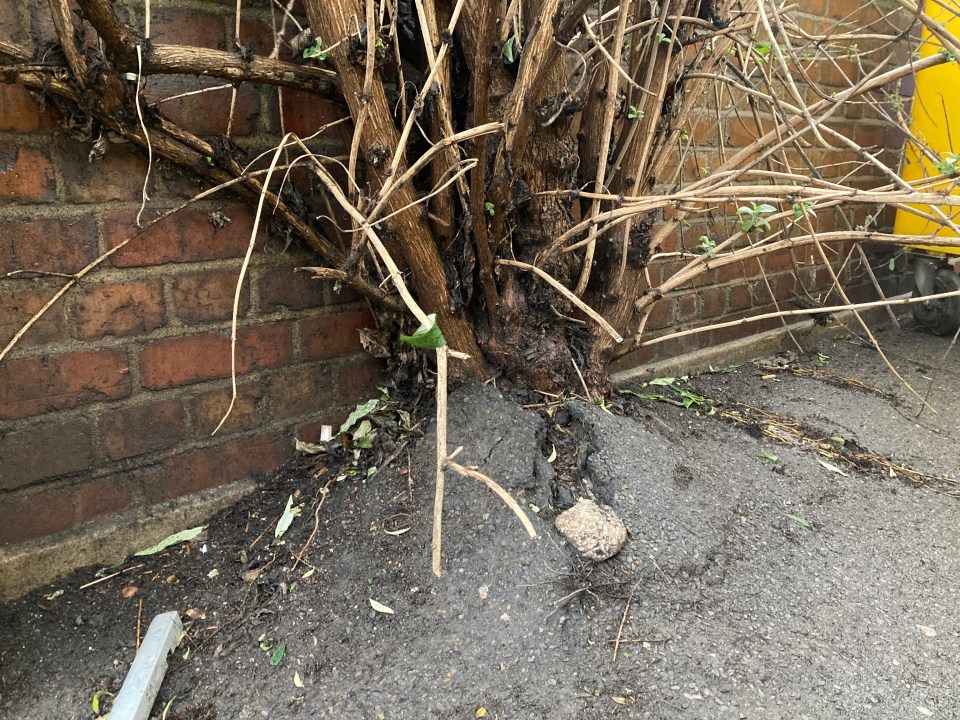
{"points": [[941, 317]]}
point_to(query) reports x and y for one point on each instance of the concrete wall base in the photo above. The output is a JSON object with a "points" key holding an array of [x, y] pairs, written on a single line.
{"points": [[29, 565]]}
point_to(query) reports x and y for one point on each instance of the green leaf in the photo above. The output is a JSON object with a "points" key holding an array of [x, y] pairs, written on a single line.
{"points": [[315, 50], [95, 703], [803, 522], [364, 434], [278, 654], [509, 49], [360, 411], [297, 679], [289, 513], [182, 536], [664, 381], [553, 454], [427, 336], [768, 456], [892, 265], [765, 208], [489, 208]]}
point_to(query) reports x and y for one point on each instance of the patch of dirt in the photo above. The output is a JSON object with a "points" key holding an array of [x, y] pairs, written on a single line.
{"points": [[757, 582]]}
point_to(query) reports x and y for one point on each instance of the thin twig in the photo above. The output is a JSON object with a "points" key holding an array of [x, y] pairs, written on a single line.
{"points": [[501, 493]]}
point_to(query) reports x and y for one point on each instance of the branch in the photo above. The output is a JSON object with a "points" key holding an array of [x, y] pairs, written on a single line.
{"points": [[180, 59]]}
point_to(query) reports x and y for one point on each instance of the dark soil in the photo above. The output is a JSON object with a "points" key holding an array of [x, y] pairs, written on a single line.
{"points": [[758, 581]]}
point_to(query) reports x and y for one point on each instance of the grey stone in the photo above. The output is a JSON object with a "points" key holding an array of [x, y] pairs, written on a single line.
{"points": [[596, 531]]}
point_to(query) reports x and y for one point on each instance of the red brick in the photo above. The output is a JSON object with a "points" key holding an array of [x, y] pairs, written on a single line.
{"points": [[19, 300], [335, 335], [175, 26], [193, 359], [714, 301], [261, 34], [740, 297], [32, 386], [46, 451], [207, 296], [661, 315], [215, 466], [304, 114], [358, 381], [207, 409], [63, 245], [207, 113], [305, 389], [142, 429], [26, 517], [19, 111], [281, 287], [187, 236], [26, 176], [117, 176], [119, 309]]}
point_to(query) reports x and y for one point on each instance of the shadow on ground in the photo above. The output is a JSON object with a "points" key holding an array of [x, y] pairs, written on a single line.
{"points": [[758, 581]]}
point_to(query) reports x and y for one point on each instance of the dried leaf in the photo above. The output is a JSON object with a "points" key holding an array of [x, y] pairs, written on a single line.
{"points": [[553, 454], [289, 513], [182, 536], [380, 607], [309, 448], [400, 531], [832, 468], [129, 591], [481, 712], [296, 680], [927, 630]]}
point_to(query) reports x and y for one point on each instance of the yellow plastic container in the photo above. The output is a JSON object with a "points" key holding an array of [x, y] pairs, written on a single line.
{"points": [[935, 120]]}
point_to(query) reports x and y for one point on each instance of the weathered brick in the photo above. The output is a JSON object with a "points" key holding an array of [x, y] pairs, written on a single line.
{"points": [[214, 466], [192, 359], [304, 114], [180, 26], [26, 176], [207, 409], [142, 429], [32, 386], [19, 111], [207, 113], [28, 516], [187, 236], [118, 175], [118, 309], [305, 389], [281, 287], [19, 300], [361, 378], [334, 335], [27, 244], [207, 296], [45, 451]]}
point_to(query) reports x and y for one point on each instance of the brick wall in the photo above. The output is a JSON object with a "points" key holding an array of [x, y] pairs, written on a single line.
{"points": [[773, 281], [108, 403]]}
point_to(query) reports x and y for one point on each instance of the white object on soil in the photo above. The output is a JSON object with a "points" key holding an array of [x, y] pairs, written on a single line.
{"points": [[149, 666], [597, 532]]}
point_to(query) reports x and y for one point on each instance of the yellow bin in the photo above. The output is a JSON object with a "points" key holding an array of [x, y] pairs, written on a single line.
{"points": [[935, 121]]}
